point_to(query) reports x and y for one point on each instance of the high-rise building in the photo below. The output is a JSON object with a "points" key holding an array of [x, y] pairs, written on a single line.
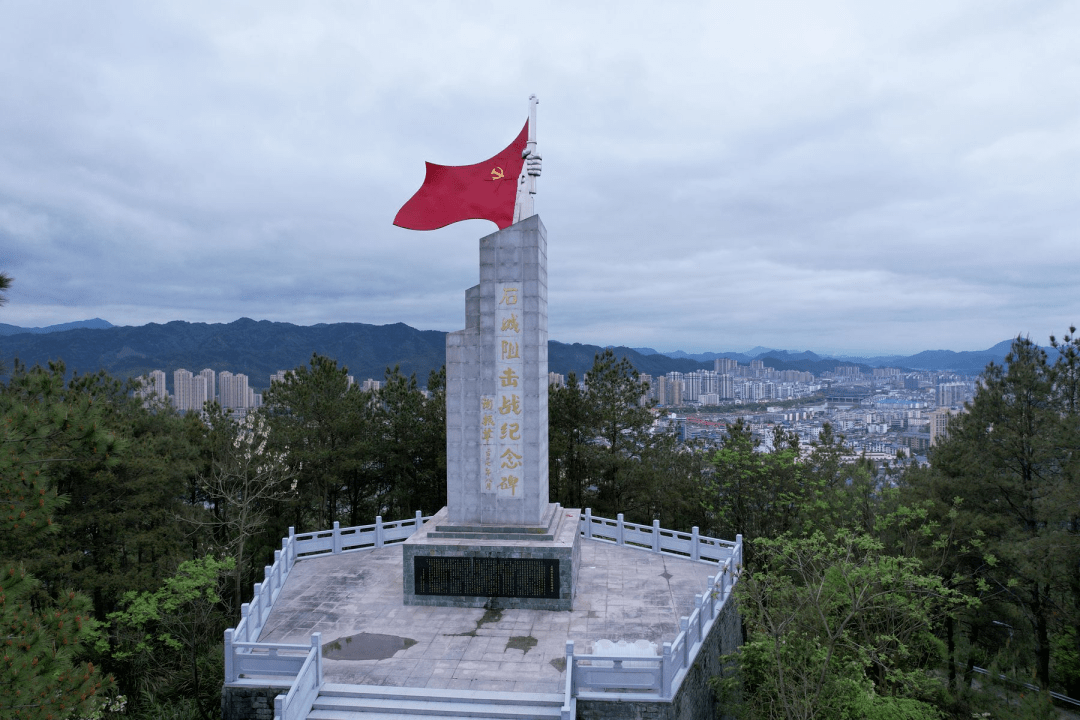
{"points": [[675, 388], [725, 365], [153, 386], [370, 385], [209, 377], [726, 386], [225, 389], [691, 386], [939, 424], [198, 392], [650, 391], [234, 390], [950, 394], [556, 379], [182, 389], [661, 390], [279, 376]]}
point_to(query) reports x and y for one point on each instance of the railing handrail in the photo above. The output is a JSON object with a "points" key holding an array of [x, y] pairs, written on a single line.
{"points": [[271, 646], [692, 545]]}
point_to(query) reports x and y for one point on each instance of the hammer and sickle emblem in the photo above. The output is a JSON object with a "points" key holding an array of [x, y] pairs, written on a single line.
{"points": [[497, 173]]}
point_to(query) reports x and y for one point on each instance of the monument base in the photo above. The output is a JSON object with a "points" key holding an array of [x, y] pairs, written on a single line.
{"points": [[494, 566]]}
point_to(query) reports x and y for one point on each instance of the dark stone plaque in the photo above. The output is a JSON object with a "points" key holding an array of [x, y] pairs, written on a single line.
{"points": [[486, 576]]}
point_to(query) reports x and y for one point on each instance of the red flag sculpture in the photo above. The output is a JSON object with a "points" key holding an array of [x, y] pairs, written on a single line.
{"points": [[451, 193]]}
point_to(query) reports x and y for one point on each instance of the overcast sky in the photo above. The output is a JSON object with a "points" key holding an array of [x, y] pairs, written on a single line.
{"points": [[806, 175]]}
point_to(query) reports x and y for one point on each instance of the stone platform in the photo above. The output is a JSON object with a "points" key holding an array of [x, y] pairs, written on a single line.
{"points": [[355, 601]]}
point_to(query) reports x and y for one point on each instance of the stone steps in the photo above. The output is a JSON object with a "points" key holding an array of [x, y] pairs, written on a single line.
{"points": [[379, 702]]}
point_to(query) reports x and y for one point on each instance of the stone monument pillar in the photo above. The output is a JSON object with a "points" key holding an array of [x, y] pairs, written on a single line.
{"points": [[497, 386], [499, 539]]}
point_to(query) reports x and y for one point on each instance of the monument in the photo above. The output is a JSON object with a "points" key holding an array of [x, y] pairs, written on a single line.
{"points": [[499, 541]]}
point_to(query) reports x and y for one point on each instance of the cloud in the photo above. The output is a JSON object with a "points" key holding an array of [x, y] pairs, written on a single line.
{"points": [[837, 176]]}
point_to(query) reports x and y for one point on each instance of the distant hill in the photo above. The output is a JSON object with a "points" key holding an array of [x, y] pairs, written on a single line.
{"points": [[95, 324], [969, 361], [260, 348]]}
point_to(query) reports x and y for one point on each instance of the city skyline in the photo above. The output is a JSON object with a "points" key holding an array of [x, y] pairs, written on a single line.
{"points": [[833, 177]]}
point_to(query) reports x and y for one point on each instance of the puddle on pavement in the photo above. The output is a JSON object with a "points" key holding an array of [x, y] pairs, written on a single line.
{"points": [[366, 646]]}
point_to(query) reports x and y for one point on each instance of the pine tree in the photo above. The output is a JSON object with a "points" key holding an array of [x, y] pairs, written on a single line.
{"points": [[43, 426]]}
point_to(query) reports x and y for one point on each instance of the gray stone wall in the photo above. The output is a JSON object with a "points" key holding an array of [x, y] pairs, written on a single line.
{"points": [[694, 699], [249, 703]]}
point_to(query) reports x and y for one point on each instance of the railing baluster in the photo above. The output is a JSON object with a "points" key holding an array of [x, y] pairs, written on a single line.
{"points": [[378, 531], [337, 538], [695, 544], [656, 536], [619, 530], [588, 523], [316, 647]]}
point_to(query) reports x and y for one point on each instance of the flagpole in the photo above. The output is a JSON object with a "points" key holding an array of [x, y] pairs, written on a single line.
{"points": [[531, 148], [526, 193]]}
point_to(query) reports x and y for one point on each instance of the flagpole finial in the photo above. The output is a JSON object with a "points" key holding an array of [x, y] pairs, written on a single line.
{"points": [[526, 195]]}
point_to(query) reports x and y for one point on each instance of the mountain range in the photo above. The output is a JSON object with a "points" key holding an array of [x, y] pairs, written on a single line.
{"points": [[260, 348]]}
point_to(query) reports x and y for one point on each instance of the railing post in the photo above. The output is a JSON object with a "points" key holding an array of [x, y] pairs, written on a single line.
{"points": [[285, 554], [256, 605], [280, 579], [738, 550], [695, 543], [588, 523], [712, 596], [279, 707], [316, 645], [570, 666], [378, 531], [619, 530], [245, 610], [337, 537], [292, 546], [656, 536], [268, 584], [419, 521], [229, 676], [666, 674], [698, 603], [684, 626]]}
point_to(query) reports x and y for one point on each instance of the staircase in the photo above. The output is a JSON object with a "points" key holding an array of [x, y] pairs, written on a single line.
{"points": [[378, 702]]}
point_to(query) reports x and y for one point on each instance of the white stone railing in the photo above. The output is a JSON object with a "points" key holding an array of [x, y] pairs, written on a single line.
{"points": [[606, 677], [591, 676], [690, 545], [297, 703], [342, 540], [250, 662]]}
